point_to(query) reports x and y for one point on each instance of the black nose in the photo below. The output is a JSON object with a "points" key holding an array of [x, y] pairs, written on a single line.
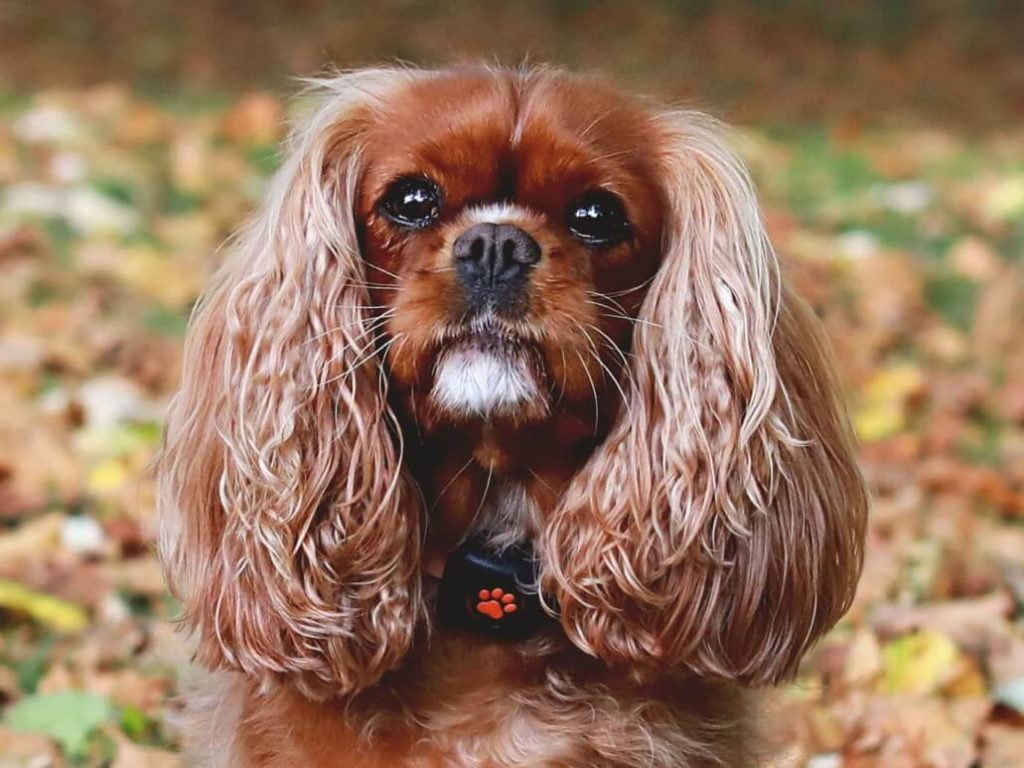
{"points": [[494, 256]]}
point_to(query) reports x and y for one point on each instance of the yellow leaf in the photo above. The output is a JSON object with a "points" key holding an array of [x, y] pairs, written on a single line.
{"points": [[878, 421], [883, 409], [106, 477], [1005, 199], [919, 663], [45, 609], [172, 282]]}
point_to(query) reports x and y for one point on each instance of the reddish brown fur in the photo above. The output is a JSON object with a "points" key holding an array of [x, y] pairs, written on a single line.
{"points": [[686, 469]]}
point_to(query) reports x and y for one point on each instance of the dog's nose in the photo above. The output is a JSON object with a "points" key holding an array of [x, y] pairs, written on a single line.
{"points": [[494, 255]]}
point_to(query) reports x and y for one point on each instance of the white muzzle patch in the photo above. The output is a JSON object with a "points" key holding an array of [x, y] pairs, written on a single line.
{"points": [[474, 382]]}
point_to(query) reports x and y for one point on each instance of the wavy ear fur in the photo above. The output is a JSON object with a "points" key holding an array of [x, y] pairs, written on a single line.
{"points": [[720, 525], [289, 529]]}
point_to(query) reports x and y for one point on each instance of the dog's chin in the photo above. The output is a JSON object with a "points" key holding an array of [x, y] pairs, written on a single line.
{"points": [[486, 375]]}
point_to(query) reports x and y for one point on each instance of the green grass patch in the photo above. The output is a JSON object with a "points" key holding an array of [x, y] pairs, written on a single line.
{"points": [[165, 321], [953, 298]]}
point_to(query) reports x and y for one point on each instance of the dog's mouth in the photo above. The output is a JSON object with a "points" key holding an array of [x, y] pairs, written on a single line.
{"points": [[489, 333], [493, 341]]}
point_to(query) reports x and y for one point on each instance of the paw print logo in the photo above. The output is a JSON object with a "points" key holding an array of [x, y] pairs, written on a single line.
{"points": [[495, 603]]}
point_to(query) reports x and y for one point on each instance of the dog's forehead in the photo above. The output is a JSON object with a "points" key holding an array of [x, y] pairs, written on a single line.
{"points": [[473, 128], [465, 110]]}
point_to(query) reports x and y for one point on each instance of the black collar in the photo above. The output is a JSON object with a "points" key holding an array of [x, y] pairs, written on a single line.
{"points": [[494, 593]]}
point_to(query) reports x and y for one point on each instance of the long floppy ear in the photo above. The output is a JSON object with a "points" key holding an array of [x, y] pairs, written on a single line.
{"points": [[720, 525], [288, 528]]}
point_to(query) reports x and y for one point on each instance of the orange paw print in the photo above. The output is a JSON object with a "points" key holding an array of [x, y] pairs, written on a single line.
{"points": [[495, 603]]}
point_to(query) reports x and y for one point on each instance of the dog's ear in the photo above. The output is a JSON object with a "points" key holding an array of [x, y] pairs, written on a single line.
{"points": [[288, 527], [720, 525]]}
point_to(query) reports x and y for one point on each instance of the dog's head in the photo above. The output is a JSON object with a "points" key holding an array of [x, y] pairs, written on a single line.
{"points": [[512, 225], [481, 277]]}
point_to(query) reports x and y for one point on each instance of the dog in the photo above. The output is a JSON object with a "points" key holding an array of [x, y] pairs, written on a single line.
{"points": [[501, 441]]}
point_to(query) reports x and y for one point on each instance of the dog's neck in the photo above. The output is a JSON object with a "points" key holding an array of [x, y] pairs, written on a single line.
{"points": [[496, 482], [507, 517]]}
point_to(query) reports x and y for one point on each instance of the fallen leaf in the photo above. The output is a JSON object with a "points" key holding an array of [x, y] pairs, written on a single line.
{"points": [[32, 539], [883, 409], [974, 258], [257, 118], [1005, 199], [864, 661], [107, 476], [968, 622], [919, 663], [1003, 746], [131, 755], [70, 718], [26, 750], [45, 609]]}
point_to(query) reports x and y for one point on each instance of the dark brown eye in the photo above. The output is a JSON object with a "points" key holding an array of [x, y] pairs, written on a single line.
{"points": [[598, 218], [413, 202]]}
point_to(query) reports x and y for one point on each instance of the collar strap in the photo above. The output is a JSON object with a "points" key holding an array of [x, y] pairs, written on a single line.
{"points": [[494, 593]]}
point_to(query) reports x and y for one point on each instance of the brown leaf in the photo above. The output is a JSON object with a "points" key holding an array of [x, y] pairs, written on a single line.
{"points": [[973, 258], [257, 118], [1002, 746], [130, 755], [968, 622], [27, 750]]}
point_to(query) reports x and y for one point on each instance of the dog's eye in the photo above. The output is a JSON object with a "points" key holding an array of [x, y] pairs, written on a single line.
{"points": [[413, 201], [598, 218]]}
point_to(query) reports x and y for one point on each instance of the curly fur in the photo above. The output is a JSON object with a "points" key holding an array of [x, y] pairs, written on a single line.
{"points": [[289, 529], [719, 526]]}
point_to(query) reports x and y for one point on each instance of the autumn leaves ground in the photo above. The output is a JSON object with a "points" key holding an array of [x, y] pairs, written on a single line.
{"points": [[908, 243]]}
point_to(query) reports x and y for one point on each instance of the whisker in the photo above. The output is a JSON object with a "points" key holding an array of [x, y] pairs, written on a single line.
{"points": [[593, 389], [542, 481], [650, 323], [372, 326], [365, 358], [615, 381], [412, 404], [448, 485], [594, 353], [609, 302], [565, 378], [612, 346], [381, 269], [382, 386], [487, 488], [620, 311], [638, 287], [627, 318]]}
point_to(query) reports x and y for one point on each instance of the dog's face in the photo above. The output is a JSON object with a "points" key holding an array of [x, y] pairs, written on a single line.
{"points": [[510, 234], [528, 275]]}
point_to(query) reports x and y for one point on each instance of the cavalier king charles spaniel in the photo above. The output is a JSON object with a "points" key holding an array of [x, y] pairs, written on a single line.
{"points": [[501, 441]]}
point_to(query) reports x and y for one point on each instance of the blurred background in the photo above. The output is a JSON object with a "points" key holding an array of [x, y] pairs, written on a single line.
{"points": [[887, 141]]}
